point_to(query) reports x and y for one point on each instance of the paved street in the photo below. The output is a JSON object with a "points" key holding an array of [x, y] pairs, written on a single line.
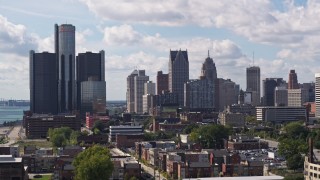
{"points": [[13, 135], [271, 143], [151, 172]]}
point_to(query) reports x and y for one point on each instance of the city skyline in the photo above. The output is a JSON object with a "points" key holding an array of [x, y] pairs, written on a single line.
{"points": [[283, 35]]}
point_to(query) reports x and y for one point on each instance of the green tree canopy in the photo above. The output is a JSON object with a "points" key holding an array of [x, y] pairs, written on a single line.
{"points": [[289, 147], [295, 162], [296, 130], [210, 136], [93, 164], [63, 136], [99, 125]]}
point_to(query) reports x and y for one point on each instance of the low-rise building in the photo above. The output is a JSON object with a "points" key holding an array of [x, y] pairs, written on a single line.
{"points": [[232, 119], [245, 143], [128, 140], [281, 114], [120, 130], [12, 168], [37, 125]]}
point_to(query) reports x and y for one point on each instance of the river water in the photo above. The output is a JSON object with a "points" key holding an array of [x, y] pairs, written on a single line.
{"points": [[12, 113]]}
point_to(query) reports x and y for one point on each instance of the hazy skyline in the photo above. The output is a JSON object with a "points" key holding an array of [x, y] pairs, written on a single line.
{"points": [[284, 35]]}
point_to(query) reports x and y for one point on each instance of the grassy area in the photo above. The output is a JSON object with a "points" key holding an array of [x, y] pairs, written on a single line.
{"points": [[39, 144], [42, 144], [44, 177]]}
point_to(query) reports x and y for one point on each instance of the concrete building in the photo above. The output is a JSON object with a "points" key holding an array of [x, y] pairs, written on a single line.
{"points": [[208, 70], [232, 119], [178, 73], [43, 82], [149, 88], [37, 125], [281, 114], [199, 94], [297, 97], [281, 96], [123, 130], [162, 82], [139, 81], [12, 168], [269, 86], [226, 93], [65, 49], [293, 80], [91, 85], [317, 98], [246, 109], [130, 91], [253, 84]]}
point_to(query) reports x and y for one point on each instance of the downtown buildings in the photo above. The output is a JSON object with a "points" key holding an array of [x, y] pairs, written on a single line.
{"points": [[61, 83]]}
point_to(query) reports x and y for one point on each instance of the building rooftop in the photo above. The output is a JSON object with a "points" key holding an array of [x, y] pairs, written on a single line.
{"points": [[9, 159], [118, 152]]}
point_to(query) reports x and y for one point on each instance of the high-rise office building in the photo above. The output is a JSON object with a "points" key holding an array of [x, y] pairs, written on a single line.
{"points": [[162, 82], [253, 83], [293, 80], [317, 98], [199, 93], [310, 88], [269, 86], [130, 91], [178, 73], [281, 96], [65, 50], [208, 70], [43, 83], [149, 88], [139, 82], [91, 85], [227, 93], [297, 97]]}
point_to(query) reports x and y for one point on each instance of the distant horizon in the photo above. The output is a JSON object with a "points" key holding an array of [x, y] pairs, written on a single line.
{"points": [[275, 35]]}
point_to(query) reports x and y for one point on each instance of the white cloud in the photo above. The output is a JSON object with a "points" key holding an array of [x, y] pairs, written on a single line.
{"points": [[122, 35]]}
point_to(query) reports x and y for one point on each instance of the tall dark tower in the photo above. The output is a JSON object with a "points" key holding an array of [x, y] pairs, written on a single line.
{"points": [[65, 50], [91, 85], [209, 70], [293, 80], [43, 83], [253, 83], [178, 73]]}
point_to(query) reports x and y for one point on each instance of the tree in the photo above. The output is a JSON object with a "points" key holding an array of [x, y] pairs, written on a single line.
{"points": [[60, 137], [296, 130], [210, 136], [93, 163], [295, 162], [189, 128], [99, 125], [289, 147]]}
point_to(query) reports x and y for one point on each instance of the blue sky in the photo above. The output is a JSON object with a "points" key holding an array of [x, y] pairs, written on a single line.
{"points": [[283, 35]]}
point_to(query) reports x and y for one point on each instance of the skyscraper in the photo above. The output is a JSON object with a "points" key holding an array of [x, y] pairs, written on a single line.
{"points": [[130, 91], [162, 82], [208, 70], [317, 76], [293, 80], [200, 93], [65, 50], [43, 83], [253, 83], [178, 73], [269, 86], [91, 85], [139, 82]]}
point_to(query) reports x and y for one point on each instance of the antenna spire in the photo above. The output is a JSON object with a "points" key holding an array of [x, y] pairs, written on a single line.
{"points": [[208, 53], [253, 58]]}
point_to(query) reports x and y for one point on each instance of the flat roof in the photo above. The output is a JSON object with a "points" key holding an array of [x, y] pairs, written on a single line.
{"points": [[9, 159], [240, 178]]}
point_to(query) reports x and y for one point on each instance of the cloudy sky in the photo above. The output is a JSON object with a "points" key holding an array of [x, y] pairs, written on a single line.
{"points": [[139, 34]]}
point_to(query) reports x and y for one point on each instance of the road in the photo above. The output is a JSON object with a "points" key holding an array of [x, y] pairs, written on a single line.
{"points": [[14, 135], [151, 171]]}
